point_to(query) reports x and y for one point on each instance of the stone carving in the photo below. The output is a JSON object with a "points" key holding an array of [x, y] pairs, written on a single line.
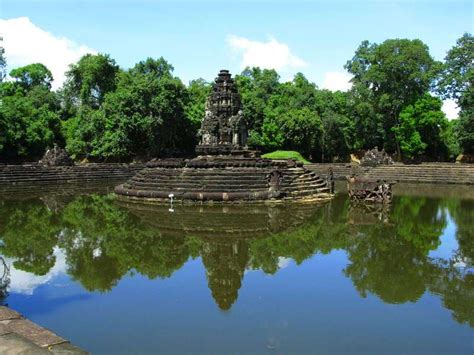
{"points": [[330, 180], [369, 190], [375, 157], [223, 128], [56, 157]]}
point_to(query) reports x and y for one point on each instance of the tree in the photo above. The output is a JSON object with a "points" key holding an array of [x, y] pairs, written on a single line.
{"points": [[335, 137], [89, 80], [411, 144], [32, 75], [198, 91], [3, 62], [457, 76], [144, 116], [457, 82], [256, 86], [390, 76], [29, 120], [422, 129]]}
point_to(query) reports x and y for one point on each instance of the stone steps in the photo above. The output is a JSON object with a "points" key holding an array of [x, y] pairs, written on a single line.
{"points": [[31, 174], [438, 173], [224, 180]]}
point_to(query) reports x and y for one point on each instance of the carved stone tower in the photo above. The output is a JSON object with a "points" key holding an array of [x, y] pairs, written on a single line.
{"points": [[223, 128]]}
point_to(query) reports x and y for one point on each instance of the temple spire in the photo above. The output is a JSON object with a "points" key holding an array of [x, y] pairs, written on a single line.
{"points": [[223, 128]]}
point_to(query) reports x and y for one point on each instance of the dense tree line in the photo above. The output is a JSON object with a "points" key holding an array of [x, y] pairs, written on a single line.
{"points": [[106, 113]]}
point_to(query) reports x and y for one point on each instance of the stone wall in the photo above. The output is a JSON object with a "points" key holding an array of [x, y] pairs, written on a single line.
{"points": [[21, 177], [431, 173]]}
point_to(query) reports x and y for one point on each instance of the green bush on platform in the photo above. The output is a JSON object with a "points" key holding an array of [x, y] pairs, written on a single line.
{"points": [[286, 154]]}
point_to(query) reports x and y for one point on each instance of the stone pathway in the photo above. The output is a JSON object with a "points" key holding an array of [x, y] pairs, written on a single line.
{"points": [[21, 336]]}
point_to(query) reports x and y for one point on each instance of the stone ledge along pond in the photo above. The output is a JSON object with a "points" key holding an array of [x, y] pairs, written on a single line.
{"points": [[326, 278]]}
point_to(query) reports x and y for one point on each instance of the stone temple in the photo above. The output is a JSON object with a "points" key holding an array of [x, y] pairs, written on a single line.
{"points": [[224, 170]]}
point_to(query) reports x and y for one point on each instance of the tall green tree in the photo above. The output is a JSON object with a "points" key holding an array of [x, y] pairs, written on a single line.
{"points": [[3, 61], [198, 91], [422, 129], [256, 86], [29, 120], [89, 80], [457, 82], [144, 116], [390, 76]]}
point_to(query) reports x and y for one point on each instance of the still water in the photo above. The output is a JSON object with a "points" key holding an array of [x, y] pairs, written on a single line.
{"points": [[300, 279]]}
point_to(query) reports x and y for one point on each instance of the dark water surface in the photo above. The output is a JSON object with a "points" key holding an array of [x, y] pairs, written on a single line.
{"points": [[299, 279]]}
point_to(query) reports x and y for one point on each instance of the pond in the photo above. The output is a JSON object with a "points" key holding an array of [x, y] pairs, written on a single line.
{"points": [[331, 278]]}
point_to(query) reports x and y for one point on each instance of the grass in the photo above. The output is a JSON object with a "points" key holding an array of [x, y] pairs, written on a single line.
{"points": [[285, 154]]}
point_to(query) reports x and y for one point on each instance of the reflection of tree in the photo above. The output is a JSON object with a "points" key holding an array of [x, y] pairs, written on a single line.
{"points": [[388, 256], [455, 285], [419, 221], [88, 222], [29, 233], [387, 265], [462, 212], [4, 279], [391, 260], [322, 232]]}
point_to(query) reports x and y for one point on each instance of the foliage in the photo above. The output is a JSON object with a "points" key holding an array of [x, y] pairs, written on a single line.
{"points": [[198, 91], [105, 113], [423, 129], [256, 86], [457, 82], [144, 116], [285, 154], [89, 80], [3, 62], [29, 120], [390, 76], [457, 77], [465, 131], [32, 75]]}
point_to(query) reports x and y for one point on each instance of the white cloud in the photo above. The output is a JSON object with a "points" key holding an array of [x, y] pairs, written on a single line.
{"points": [[450, 109], [26, 43], [336, 80], [269, 55]]}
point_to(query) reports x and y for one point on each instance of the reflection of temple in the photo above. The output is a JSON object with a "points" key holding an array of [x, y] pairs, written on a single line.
{"points": [[219, 221], [225, 261]]}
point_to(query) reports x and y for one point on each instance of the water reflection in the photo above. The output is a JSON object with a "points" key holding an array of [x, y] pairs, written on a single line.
{"points": [[388, 249]]}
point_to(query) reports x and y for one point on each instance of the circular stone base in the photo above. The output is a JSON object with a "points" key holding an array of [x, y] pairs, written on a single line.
{"points": [[224, 179]]}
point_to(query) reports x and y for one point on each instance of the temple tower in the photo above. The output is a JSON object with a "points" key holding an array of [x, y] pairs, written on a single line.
{"points": [[223, 128]]}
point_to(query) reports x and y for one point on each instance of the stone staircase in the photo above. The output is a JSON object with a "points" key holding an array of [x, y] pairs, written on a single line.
{"points": [[24, 177], [224, 181], [430, 173], [300, 183]]}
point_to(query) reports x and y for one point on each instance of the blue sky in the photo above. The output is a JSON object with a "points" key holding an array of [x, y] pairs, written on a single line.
{"points": [[199, 38]]}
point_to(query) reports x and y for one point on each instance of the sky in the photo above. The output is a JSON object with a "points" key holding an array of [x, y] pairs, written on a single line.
{"points": [[200, 38]]}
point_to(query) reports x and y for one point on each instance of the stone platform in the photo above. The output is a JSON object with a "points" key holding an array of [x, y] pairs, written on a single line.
{"points": [[426, 173], [21, 178], [225, 179], [21, 336]]}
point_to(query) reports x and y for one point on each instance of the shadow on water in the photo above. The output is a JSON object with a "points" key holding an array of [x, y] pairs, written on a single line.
{"points": [[388, 249]]}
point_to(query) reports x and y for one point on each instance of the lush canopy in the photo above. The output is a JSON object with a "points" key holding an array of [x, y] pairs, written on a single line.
{"points": [[104, 112]]}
